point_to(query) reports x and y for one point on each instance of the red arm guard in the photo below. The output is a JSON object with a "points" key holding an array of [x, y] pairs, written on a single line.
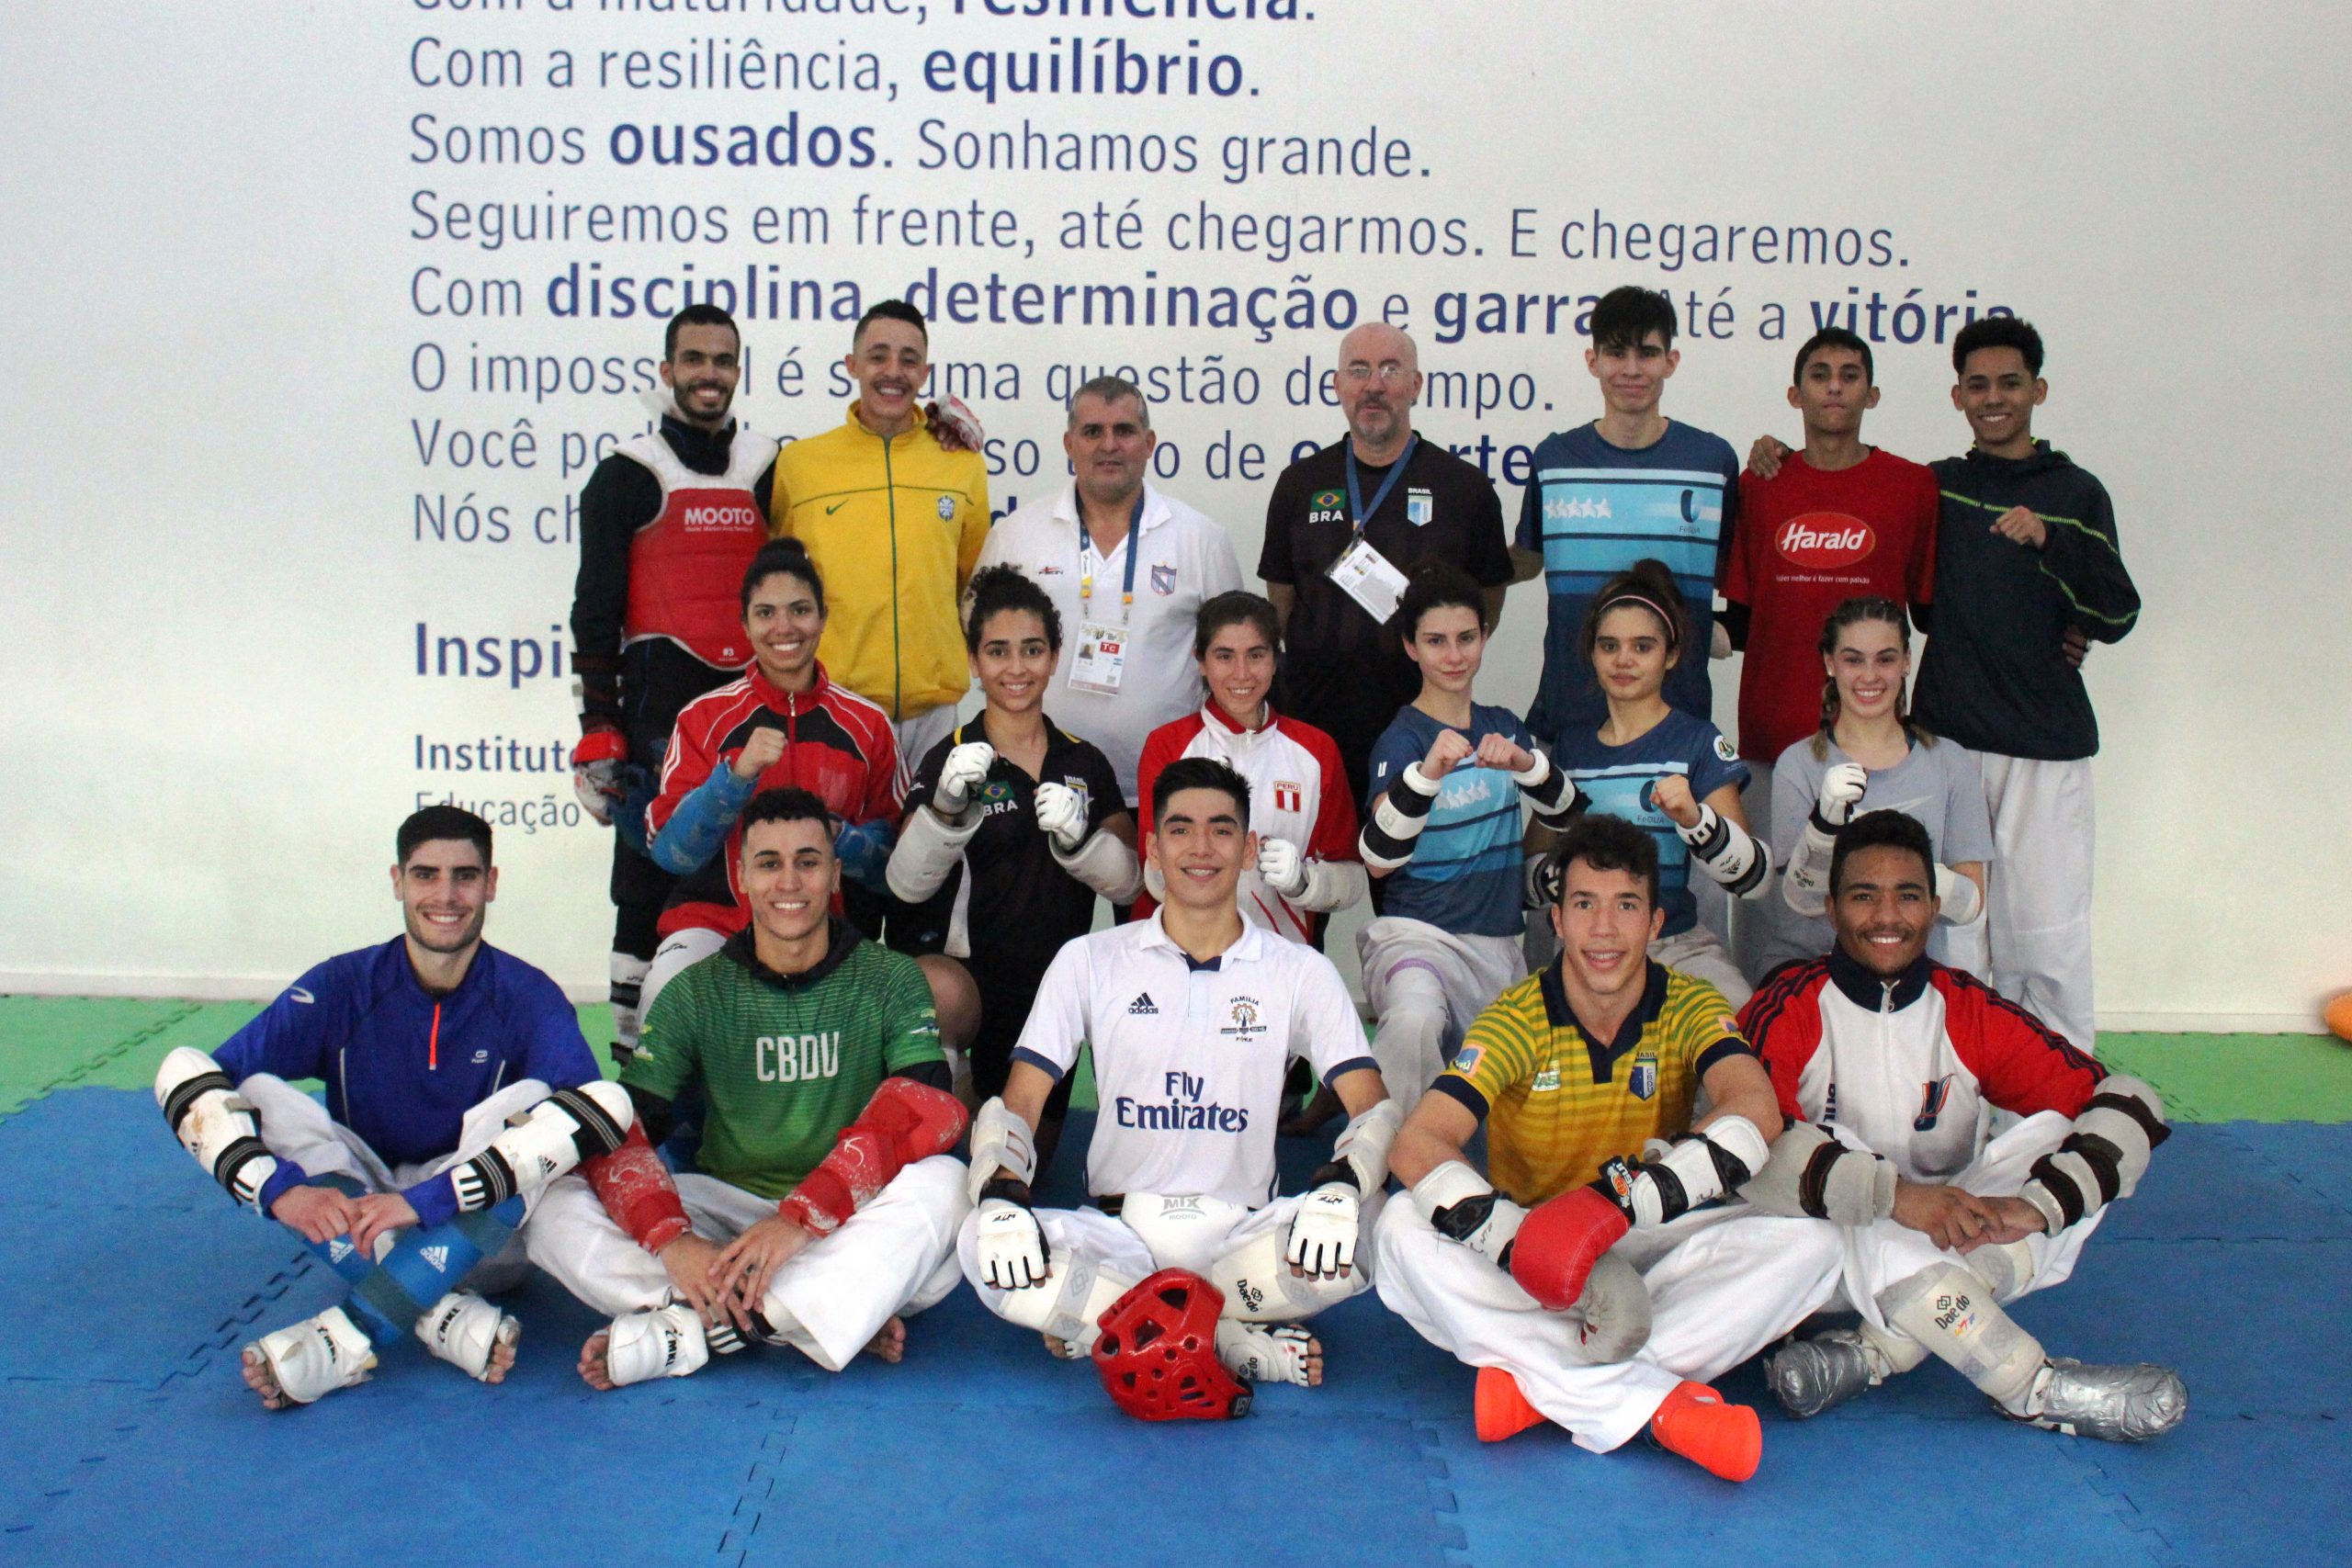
{"points": [[636, 1190], [903, 1123]]}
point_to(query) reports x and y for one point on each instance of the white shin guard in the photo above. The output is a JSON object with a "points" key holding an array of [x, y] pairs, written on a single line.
{"points": [[1069, 1305], [317, 1356], [463, 1329], [1259, 1288], [1952, 1311], [665, 1342]]}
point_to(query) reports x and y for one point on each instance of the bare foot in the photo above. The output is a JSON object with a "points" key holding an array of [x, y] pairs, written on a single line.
{"points": [[502, 1351], [593, 1371], [262, 1380], [889, 1343]]}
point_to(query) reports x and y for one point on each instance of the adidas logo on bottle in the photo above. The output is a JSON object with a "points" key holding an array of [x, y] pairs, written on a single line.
{"points": [[437, 1256]]}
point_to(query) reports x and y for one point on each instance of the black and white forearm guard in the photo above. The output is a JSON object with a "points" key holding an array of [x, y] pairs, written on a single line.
{"points": [[1725, 852], [2105, 1156], [1398, 819]]}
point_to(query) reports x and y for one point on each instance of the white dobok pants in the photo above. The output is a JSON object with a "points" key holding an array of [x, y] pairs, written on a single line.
{"points": [[1880, 1255], [1218, 1231], [2038, 890], [296, 1127], [1723, 1283], [894, 1256], [1426, 987]]}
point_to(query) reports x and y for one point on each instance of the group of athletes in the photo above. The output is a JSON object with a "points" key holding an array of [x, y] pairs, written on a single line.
{"points": [[1830, 1086]]}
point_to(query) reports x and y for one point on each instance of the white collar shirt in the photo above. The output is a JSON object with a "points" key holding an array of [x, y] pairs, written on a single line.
{"points": [[1184, 560], [1188, 1060]]}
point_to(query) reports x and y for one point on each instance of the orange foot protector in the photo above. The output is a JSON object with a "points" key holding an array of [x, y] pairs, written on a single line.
{"points": [[1499, 1409], [1721, 1438]]}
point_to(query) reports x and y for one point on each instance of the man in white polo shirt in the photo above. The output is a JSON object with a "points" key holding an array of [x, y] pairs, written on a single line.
{"points": [[1128, 568], [1194, 1015]]}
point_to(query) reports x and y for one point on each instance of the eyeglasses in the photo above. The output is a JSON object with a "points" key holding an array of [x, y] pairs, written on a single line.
{"points": [[1388, 371]]}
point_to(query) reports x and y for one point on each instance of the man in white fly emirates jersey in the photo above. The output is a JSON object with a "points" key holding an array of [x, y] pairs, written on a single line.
{"points": [[1194, 1016]]}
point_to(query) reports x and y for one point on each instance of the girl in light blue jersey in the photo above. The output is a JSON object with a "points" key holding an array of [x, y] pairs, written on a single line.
{"points": [[1665, 771]]}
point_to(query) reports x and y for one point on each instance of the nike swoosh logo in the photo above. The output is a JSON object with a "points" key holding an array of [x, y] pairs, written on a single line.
{"points": [[835, 507], [300, 995]]}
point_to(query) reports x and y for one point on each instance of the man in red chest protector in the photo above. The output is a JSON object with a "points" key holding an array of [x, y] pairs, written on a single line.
{"points": [[668, 523], [1887, 1066]]}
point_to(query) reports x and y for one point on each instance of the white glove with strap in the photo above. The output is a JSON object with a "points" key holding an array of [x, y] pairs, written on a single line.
{"points": [[1842, 788], [966, 769], [1282, 866], [1061, 816], [1010, 1246], [1323, 1232]]}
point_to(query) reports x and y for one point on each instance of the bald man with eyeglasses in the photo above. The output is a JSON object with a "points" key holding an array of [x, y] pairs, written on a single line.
{"points": [[1348, 524]]}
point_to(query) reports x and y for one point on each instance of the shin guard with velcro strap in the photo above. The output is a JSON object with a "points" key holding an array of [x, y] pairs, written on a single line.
{"points": [[425, 1264], [1952, 1312], [1256, 1281], [1069, 1306], [544, 1142], [214, 1124], [336, 1251]]}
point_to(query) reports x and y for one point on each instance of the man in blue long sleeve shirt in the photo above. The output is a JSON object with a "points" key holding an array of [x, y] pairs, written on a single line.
{"points": [[456, 1078]]}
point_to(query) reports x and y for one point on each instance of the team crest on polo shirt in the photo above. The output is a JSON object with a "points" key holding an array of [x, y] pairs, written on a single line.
{"points": [[1245, 1022], [947, 509], [1327, 506], [1289, 796], [1419, 507], [1163, 580], [1547, 1081], [1644, 1081]]}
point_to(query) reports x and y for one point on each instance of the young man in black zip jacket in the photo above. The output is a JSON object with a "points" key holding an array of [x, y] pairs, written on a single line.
{"points": [[2026, 553]]}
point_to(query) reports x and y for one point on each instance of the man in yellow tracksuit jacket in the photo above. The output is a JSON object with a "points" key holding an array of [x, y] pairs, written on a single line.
{"points": [[893, 522]]}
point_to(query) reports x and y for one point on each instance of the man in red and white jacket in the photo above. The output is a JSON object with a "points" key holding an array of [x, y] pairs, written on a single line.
{"points": [[1300, 804], [1888, 1067]]}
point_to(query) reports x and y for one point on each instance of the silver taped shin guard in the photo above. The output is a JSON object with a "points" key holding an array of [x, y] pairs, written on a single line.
{"points": [[1952, 1311]]}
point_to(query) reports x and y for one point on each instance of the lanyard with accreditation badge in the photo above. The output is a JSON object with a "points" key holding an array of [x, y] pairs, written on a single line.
{"points": [[1362, 573], [1100, 659]]}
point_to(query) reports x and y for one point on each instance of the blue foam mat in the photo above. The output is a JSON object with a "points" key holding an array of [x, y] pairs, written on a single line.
{"points": [[132, 1426]]}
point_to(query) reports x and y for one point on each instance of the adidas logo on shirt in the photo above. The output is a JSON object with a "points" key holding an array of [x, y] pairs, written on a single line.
{"points": [[437, 1256], [1141, 1007]]}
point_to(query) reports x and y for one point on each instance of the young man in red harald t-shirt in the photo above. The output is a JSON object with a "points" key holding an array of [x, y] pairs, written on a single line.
{"points": [[1836, 521]]}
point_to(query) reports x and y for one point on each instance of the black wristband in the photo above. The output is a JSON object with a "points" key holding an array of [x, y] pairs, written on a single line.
{"points": [[1010, 1189], [1334, 1170]]}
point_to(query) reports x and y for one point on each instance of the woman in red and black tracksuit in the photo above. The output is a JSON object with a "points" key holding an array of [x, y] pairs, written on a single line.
{"points": [[783, 723]]}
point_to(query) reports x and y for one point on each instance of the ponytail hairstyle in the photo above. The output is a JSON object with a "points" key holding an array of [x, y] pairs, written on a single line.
{"points": [[1853, 612], [790, 556], [1436, 585], [997, 589], [1648, 585]]}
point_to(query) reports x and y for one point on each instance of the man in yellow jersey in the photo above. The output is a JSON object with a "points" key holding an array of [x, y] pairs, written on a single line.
{"points": [[893, 515], [1585, 1076]]}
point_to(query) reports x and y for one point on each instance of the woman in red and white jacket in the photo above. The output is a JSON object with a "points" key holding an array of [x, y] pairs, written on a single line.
{"points": [[784, 723], [1300, 804]]}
